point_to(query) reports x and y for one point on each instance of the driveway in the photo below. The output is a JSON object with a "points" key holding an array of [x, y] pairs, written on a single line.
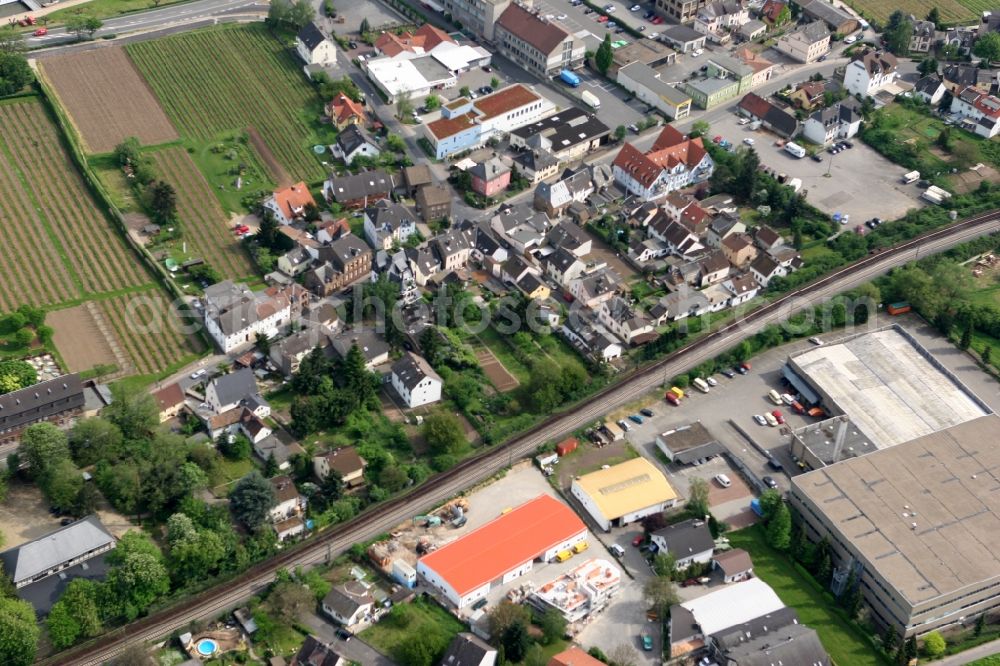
{"points": [[355, 649]]}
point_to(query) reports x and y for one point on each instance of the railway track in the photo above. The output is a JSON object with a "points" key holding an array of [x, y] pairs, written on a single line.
{"points": [[382, 518]]}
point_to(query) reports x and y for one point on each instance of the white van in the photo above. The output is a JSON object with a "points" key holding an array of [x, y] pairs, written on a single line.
{"points": [[774, 397], [617, 550], [723, 480], [700, 384]]}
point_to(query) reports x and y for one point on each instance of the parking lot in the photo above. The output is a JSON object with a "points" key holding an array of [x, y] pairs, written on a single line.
{"points": [[833, 184]]}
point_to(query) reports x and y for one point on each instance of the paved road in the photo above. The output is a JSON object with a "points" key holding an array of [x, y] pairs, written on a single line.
{"points": [[237, 591], [353, 649], [969, 656]]}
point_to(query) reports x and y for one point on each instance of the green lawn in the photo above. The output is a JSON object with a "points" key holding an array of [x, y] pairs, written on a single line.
{"points": [[846, 644], [987, 661], [229, 471], [408, 620], [502, 351], [107, 8]]}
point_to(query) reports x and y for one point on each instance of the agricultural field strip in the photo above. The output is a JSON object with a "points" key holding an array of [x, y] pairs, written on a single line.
{"points": [[96, 253], [107, 99], [31, 261], [150, 350], [951, 11], [204, 222], [252, 84]]}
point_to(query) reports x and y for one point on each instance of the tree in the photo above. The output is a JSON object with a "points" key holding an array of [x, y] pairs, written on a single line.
{"points": [[553, 625], [271, 468], [15, 375], [620, 132], [62, 484], [134, 412], [505, 614], [604, 57], [194, 553], [421, 649], [697, 504], [432, 102], [162, 201], [252, 499], [700, 128], [18, 632], [746, 175], [934, 644], [927, 66], [623, 654], [137, 577], [934, 16], [464, 91], [770, 500], [660, 594], [404, 105], [75, 615], [444, 433], [890, 640], [966, 339], [980, 625], [43, 446], [898, 32], [365, 27], [910, 650], [15, 73], [987, 47], [779, 528], [12, 42], [665, 564], [515, 641], [494, 82], [81, 24]]}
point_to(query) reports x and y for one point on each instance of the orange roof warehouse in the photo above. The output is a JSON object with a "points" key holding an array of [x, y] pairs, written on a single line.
{"points": [[501, 550]]}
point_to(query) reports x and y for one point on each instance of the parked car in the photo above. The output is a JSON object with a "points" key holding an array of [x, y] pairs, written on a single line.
{"points": [[638, 539], [41, 32], [485, 90], [769, 482], [788, 398], [723, 480], [778, 416], [728, 373], [747, 140], [647, 642], [646, 412], [771, 421], [66, 521], [635, 418], [648, 15], [635, 8], [746, 366], [609, 8], [616, 550], [711, 381], [816, 157], [759, 419], [657, 20], [740, 369], [602, 19], [816, 341], [612, 25], [345, 635], [487, 68], [198, 374], [623, 424], [633, 128], [561, 17], [352, 45]]}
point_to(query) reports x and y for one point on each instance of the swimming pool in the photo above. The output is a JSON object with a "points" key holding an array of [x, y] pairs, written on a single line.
{"points": [[207, 647]]}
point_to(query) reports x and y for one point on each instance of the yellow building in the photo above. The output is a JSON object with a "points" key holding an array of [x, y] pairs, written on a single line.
{"points": [[624, 493]]}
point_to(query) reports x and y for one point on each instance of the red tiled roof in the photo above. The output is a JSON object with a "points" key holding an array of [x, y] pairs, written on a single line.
{"points": [[771, 10], [574, 656], [507, 99], [293, 198], [446, 127], [693, 216], [670, 149], [432, 36], [755, 105], [539, 33], [169, 396], [425, 38], [342, 108], [504, 543]]}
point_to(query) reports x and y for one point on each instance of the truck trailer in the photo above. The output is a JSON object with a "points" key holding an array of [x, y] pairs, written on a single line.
{"points": [[569, 78], [590, 99]]}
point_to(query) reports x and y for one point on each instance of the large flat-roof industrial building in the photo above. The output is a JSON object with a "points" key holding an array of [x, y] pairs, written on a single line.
{"points": [[887, 383], [624, 493], [503, 549], [920, 521]]}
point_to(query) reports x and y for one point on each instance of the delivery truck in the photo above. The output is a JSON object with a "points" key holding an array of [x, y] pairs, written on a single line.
{"points": [[590, 99], [569, 78]]}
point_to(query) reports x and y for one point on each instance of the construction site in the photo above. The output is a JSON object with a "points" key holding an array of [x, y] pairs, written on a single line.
{"points": [[578, 594], [422, 535]]}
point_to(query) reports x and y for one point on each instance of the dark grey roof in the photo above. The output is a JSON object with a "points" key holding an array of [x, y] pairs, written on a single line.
{"points": [[352, 138], [451, 242], [279, 445], [343, 250], [687, 538], [386, 212], [815, 31], [682, 34], [311, 36], [235, 386], [345, 599], [682, 624], [567, 235], [412, 369], [24, 562], [759, 626], [837, 114], [489, 169], [368, 341], [536, 160], [824, 11], [44, 593], [358, 186], [40, 401], [562, 259], [567, 115], [563, 130], [794, 644], [466, 650], [316, 653], [928, 85], [764, 264]]}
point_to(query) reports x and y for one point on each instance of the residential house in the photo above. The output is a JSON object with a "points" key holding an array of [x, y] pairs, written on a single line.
{"points": [[316, 653], [767, 238], [358, 190], [741, 289], [372, 346], [569, 236], [351, 604], [289, 203], [957, 77], [563, 266], [753, 30], [423, 40], [689, 542], [590, 338], [735, 565], [674, 162], [486, 247], [289, 528], [567, 135], [722, 227], [719, 18], [520, 226], [714, 268], [490, 177], [329, 230], [532, 286], [469, 650], [536, 165], [454, 248], [227, 392], [343, 111], [679, 11], [625, 321], [313, 46], [555, 198], [642, 251], [869, 72], [341, 263], [980, 109], [930, 88], [792, 643], [834, 123], [593, 289], [415, 381], [287, 500], [765, 268], [433, 202], [807, 44], [681, 37], [647, 85], [467, 124], [775, 12], [235, 316], [423, 263], [388, 224], [170, 401], [294, 262], [679, 304], [344, 461], [286, 354], [678, 238], [253, 426], [538, 44], [837, 20], [396, 267], [415, 177], [710, 90], [353, 142], [808, 95], [960, 38], [739, 249], [695, 219], [478, 16], [761, 67], [924, 35]]}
